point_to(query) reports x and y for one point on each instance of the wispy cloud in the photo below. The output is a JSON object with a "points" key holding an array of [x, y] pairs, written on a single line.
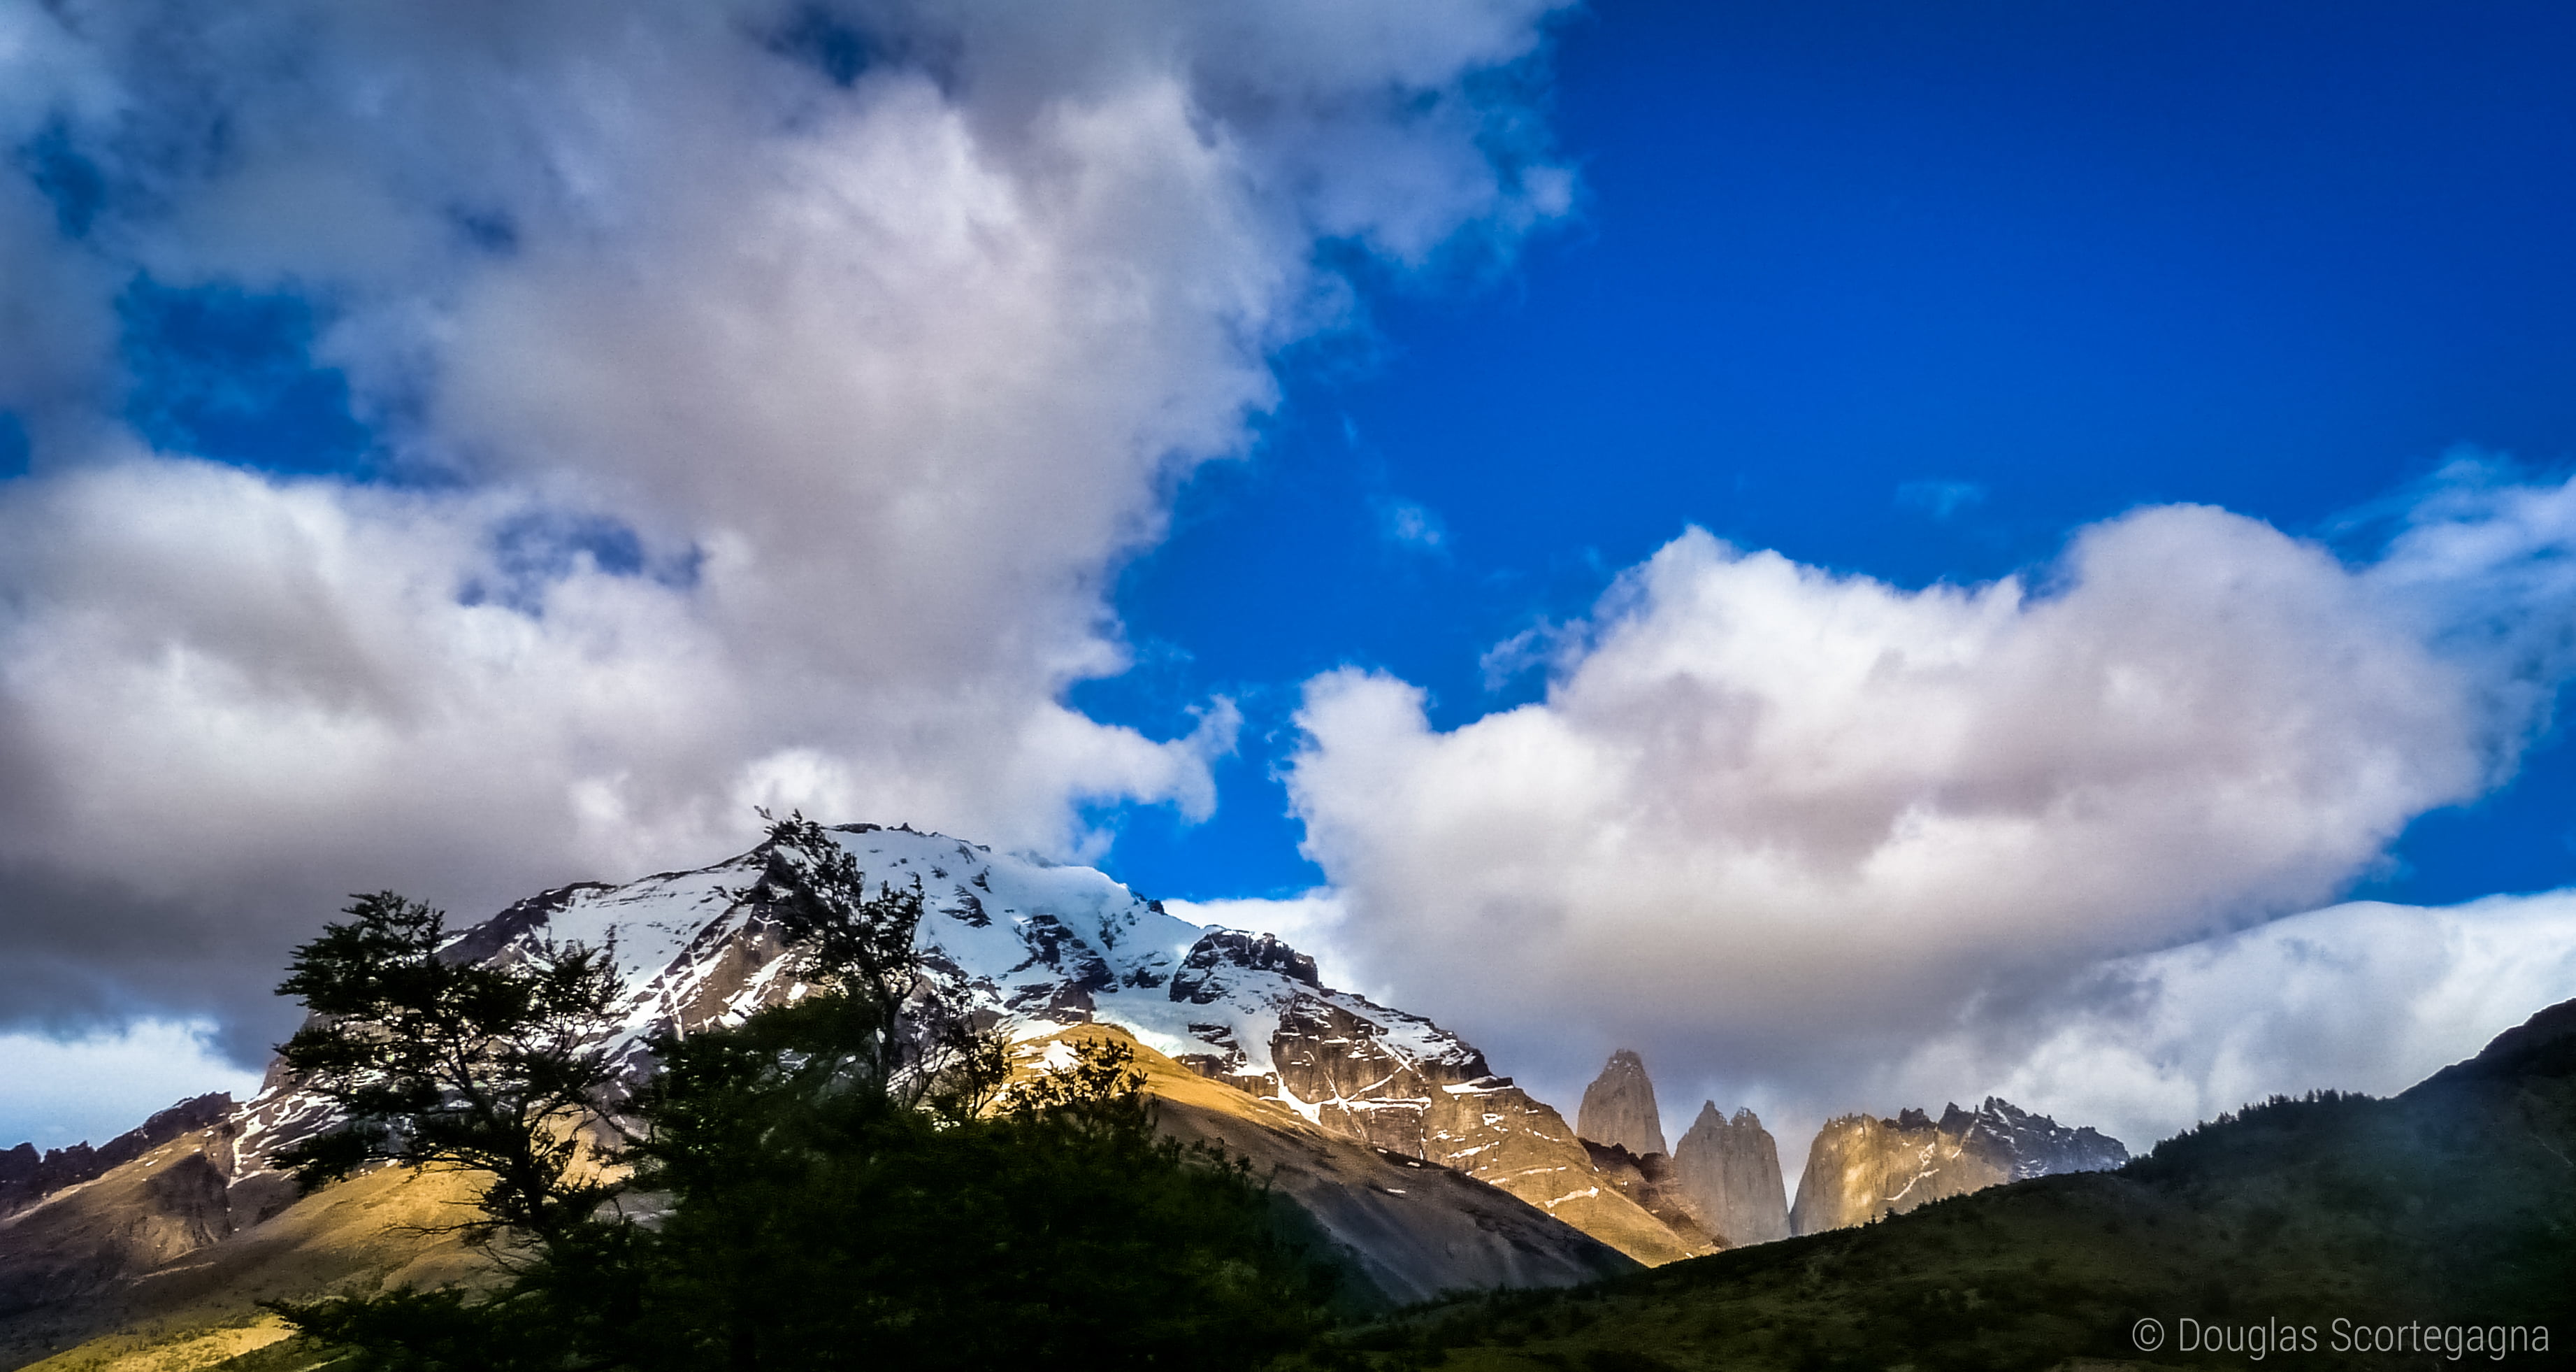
{"points": [[2360, 997], [1940, 499], [1409, 524]]}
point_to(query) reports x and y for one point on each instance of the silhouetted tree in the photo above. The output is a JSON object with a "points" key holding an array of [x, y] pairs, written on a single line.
{"points": [[440, 1062], [841, 1180]]}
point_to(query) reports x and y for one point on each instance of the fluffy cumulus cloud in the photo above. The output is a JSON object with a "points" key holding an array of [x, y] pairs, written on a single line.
{"points": [[756, 399], [1784, 828]]}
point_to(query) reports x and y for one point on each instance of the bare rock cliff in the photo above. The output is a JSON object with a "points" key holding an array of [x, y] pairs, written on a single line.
{"points": [[1861, 1168], [1728, 1174], [1619, 1107], [1648, 1183]]}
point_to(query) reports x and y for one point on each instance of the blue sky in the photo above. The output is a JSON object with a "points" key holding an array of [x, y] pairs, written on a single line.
{"points": [[1913, 294], [1258, 451]]}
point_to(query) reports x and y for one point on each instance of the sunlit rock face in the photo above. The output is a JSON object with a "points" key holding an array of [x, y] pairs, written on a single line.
{"points": [[1619, 1107], [1650, 1183], [1728, 1174], [1861, 1167]]}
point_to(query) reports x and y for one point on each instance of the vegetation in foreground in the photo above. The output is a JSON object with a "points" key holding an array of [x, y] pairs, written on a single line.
{"points": [[846, 1180], [2452, 1206], [851, 1181]]}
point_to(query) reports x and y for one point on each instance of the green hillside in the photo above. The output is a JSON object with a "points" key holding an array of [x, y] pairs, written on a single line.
{"points": [[2452, 1206]]}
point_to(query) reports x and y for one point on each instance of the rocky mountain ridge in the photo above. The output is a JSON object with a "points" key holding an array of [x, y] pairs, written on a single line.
{"points": [[1336, 1090], [1424, 1169], [1048, 948], [1862, 1167], [27, 1177], [1724, 1180]]}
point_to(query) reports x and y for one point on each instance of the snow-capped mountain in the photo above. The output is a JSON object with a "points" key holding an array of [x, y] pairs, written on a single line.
{"points": [[1049, 947], [1862, 1167]]}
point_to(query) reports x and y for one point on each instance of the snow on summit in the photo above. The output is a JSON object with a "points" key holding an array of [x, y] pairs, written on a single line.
{"points": [[1043, 946]]}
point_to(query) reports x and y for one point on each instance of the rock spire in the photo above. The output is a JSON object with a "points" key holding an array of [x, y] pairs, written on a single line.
{"points": [[1728, 1171], [1619, 1107]]}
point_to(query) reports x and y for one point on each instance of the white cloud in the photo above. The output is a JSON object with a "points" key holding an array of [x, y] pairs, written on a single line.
{"points": [[885, 378], [1780, 828], [2363, 997], [1311, 922], [2359, 997], [91, 1089]]}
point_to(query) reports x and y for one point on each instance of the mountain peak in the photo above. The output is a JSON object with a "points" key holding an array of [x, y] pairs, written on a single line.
{"points": [[1728, 1171], [1045, 947], [1619, 1107]]}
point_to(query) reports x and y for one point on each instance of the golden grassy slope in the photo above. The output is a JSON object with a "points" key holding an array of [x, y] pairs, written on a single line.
{"points": [[201, 1307], [1409, 1231]]}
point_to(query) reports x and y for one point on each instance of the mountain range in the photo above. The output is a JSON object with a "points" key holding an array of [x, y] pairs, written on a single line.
{"points": [[1725, 1179], [1415, 1162], [1862, 1168], [2436, 1228]]}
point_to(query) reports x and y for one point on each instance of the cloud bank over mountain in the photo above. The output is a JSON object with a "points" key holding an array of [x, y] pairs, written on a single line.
{"points": [[1789, 828], [2357, 997], [749, 404], [713, 405]]}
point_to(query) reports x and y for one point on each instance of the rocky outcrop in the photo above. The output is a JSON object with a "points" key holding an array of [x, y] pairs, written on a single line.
{"points": [[2025, 1145], [1497, 1133], [1409, 1228], [26, 1177], [1356, 1080], [1861, 1168], [89, 1237], [1728, 1174], [1649, 1182], [1619, 1107]]}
